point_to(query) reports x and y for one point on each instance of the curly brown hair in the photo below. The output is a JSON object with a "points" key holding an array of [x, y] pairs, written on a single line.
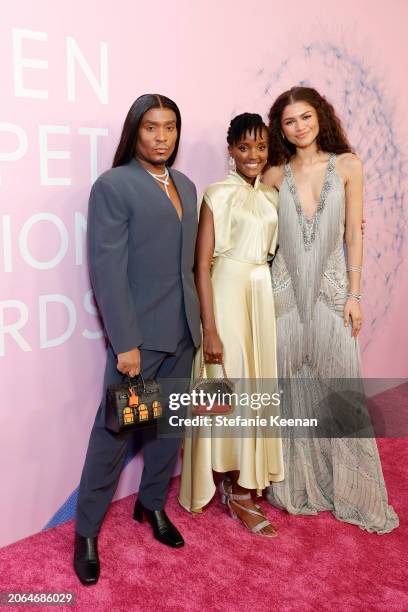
{"points": [[331, 137]]}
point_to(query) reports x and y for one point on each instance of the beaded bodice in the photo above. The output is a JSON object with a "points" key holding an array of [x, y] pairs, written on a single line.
{"points": [[310, 262], [309, 224]]}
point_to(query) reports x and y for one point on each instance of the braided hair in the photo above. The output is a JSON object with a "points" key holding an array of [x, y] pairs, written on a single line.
{"points": [[242, 124]]}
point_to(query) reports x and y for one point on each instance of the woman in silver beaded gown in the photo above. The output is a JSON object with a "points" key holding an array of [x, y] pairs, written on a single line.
{"points": [[317, 297]]}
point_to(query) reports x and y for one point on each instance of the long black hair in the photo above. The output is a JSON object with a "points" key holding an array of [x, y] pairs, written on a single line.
{"points": [[126, 147]]}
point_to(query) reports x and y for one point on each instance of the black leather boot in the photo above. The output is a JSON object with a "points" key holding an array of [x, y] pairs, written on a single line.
{"points": [[163, 528], [86, 559]]}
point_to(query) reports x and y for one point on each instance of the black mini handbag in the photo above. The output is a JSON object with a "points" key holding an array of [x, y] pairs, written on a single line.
{"points": [[134, 404]]}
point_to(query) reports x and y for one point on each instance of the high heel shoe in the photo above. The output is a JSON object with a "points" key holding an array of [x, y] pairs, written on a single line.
{"points": [[227, 497], [223, 491], [163, 529], [226, 494]]}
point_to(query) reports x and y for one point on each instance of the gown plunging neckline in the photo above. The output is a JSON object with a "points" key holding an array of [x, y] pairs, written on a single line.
{"points": [[307, 223], [327, 170]]}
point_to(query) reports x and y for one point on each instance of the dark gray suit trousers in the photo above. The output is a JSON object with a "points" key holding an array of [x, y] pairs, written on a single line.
{"points": [[107, 451]]}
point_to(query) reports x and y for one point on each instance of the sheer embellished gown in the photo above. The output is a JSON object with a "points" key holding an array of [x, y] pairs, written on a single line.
{"points": [[245, 224], [338, 474]]}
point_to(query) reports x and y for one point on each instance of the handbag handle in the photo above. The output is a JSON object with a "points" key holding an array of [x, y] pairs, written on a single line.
{"points": [[137, 376], [201, 374]]}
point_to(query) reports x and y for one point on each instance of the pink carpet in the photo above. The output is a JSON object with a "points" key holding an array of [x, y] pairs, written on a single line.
{"points": [[316, 563]]}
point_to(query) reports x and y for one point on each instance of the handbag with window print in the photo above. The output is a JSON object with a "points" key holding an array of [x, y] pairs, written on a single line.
{"points": [[133, 404]]}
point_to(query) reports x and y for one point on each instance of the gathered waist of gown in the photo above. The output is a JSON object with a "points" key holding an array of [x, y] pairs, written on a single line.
{"points": [[227, 270], [240, 260]]}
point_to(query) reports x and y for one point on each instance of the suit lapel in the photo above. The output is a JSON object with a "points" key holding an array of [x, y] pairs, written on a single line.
{"points": [[188, 220], [179, 184]]}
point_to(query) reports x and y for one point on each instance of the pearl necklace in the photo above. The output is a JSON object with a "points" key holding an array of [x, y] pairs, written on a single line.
{"points": [[163, 179]]}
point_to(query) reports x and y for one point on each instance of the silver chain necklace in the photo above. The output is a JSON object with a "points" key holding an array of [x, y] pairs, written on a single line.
{"points": [[163, 179]]}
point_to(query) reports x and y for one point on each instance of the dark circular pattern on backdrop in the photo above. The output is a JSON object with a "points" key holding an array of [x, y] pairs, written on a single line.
{"points": [[369, 119]]}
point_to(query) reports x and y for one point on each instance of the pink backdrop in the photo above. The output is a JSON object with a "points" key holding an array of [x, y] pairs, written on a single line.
{"points": [[67, 78]]}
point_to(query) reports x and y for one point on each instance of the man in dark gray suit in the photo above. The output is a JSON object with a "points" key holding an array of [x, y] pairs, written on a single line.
{"points": [[142, 227]]}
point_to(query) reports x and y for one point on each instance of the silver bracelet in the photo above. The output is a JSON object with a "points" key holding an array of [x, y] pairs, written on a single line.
{"points": [[354, 296], [354, 269]]}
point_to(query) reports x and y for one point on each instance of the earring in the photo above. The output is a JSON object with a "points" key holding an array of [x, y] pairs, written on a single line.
{"points": [[283, 136], [231, 162]]}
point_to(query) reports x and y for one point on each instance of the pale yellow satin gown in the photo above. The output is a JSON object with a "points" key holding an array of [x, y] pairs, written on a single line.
{"points": [[246, 224]]}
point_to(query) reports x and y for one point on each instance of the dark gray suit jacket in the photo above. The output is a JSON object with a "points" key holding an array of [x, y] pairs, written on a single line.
{"points": [[141, 259]]}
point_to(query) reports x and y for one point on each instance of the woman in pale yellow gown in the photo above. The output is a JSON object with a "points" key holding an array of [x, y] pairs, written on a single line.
{"points": [[237, 235]]}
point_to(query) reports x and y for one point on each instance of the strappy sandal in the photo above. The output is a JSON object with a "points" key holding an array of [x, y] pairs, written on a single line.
{"points": [[224, 493], [227, 497]]}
